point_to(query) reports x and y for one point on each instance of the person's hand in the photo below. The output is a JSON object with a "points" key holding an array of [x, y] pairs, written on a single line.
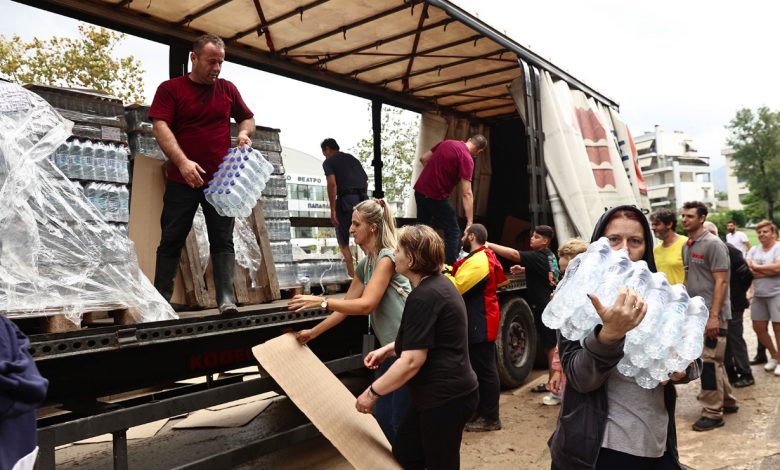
{"points": [[191, 172], [376, 357], [243, 140], [712, 327], [333, 219], [304, 336], [366, 401], [517, 270], [554, 384], [302, 302], [623, 316], [551, 278]]}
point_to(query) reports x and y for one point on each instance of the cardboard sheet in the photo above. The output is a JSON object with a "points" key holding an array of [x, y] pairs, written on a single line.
{"points": [[232, 417], [326, 402], [243, 401], [138, 432]]}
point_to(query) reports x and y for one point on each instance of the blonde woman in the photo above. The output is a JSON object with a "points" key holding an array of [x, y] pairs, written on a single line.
{"points": [[376, 290], [764, 262]]}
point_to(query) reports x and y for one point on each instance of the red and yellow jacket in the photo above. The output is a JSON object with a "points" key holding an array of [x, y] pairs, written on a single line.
{"points": [[477, 276]]}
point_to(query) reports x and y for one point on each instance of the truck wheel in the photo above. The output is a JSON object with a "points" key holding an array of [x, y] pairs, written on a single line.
{"points": [[516, 342]]}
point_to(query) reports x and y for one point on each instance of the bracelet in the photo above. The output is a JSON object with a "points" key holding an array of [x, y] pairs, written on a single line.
{"points": [[371, 389]]}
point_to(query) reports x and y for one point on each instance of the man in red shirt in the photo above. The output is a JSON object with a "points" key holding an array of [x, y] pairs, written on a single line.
{"points": [[191, 117], [448, 164]]}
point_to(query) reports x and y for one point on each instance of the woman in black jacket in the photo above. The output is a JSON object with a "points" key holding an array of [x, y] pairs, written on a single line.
{"points": [[607, 421]]}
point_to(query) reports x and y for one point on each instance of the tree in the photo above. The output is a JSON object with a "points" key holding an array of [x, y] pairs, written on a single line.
{"points": [[755, 138], [86, 62], [400, 129]]}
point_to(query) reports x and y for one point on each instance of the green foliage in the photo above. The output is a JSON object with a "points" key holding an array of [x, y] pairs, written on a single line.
{"points": [[720, 219], [755, 138], [84, 62], [400, 129]]}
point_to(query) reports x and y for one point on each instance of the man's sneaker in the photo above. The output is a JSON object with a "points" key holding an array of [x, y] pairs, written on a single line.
{"points": [[745, 381], [730, 409], [758, 359], [482, 425], [707, 424], [770, 365], [551, 400], [777, 370]]}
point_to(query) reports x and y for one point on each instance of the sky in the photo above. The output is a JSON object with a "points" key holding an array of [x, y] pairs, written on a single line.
{"points": [[682, 65]]}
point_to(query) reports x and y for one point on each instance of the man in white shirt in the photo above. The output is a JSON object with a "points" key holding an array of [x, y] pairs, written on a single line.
{"points": [[737, 239]]}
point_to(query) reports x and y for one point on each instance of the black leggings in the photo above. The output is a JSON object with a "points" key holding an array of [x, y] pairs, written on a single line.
{"points": [[430, 438]]}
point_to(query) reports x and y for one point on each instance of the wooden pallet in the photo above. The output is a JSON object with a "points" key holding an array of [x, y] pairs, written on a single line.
{"points": [[200, 292], [53, 319]]}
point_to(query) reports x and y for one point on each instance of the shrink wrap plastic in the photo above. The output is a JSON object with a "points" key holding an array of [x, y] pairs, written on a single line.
{"points": [[57, 254], [671, 334]]}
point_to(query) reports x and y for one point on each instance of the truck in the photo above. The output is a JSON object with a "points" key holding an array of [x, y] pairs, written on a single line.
{"points": [[559, 153]]}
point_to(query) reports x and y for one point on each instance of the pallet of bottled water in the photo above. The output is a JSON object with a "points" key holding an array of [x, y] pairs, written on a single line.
{"points": [[670, 336], [238, 182]]}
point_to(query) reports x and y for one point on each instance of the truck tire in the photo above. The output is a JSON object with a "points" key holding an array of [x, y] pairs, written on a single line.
{"points": [[516, 342]]}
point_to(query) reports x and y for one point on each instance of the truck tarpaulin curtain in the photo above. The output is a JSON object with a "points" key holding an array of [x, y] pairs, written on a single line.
{"points": [[584, 149]]}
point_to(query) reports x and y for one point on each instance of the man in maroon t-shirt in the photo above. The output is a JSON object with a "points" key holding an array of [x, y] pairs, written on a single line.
{"points": [[191, 116], [448, 164]]}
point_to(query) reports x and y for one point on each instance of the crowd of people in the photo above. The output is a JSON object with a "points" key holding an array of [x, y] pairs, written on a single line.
{"points": [[435, 315]]}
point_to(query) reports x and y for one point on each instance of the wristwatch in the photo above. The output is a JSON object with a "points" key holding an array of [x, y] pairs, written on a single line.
{"points": [[324, 303]]}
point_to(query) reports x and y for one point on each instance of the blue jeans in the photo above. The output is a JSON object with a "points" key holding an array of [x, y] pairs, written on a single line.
{"points": [[430, 210], [391, 408]]}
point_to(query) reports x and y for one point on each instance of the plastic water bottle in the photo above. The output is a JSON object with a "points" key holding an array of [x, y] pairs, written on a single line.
{"points": [[124, 204], [123, 172], [61, 158], [111, 163], [74, 162]]}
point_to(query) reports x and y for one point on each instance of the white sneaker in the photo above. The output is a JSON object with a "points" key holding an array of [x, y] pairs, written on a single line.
{"points": [[777, 370], [770, 365], [553, 400]]}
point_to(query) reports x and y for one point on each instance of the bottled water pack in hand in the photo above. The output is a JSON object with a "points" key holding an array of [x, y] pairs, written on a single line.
{"points": [[670, 336], [239, 182]]}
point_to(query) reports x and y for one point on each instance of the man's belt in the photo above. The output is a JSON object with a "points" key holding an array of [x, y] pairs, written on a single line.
{"points": [[357, 191]]}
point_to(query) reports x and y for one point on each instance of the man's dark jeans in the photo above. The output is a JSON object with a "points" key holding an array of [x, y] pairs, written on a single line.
{"points": [[440, 214], [179, 206]]}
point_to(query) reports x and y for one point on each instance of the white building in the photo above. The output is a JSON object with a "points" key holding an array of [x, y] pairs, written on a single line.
{"points": [[307, 196], [674, 170], [735, 187]]}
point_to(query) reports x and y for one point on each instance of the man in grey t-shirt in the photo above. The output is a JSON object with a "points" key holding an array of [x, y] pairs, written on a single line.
{"points": [[706, 263]]}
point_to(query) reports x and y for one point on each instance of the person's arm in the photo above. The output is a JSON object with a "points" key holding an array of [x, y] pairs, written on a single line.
{"points": [[403, 369], [304, 336], [190, 170], [718, 297], [747, 241], [246, 130], [426, 157], [587, 364], [504, 251], [362, 304], [767, 270], [332, 191], [468, 201]]}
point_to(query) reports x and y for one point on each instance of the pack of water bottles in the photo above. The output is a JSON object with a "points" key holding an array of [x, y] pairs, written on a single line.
{"points": [[82, 159], [670, 336], [57, 252], [238, 182], [111, 200]]}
